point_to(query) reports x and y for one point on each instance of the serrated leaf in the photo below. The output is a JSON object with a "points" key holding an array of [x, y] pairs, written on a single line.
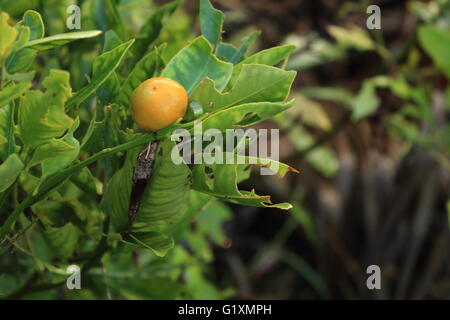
{"points": [[211, 21], [224, 186], [234, 55], [60, 39], [62, 160], [269, 57], [232, 117], [103, 67], [273, 85], [9, 171], [12, 92], [41, 115], [196, 62]]}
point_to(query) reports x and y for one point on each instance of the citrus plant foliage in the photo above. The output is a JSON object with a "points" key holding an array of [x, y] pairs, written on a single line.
{"points": [[69, 148]]}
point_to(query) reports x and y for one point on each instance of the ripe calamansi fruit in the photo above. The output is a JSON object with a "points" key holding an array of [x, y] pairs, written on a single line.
{"points": [[157, 103]]}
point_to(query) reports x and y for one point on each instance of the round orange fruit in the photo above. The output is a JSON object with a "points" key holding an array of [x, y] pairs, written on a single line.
{"points": [[157, 103]]}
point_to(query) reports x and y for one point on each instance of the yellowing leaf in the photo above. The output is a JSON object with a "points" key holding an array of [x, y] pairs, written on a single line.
{"points": [[8, 35]]}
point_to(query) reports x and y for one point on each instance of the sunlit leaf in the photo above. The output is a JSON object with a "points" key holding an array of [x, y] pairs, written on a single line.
{"points": [[273, 85]]}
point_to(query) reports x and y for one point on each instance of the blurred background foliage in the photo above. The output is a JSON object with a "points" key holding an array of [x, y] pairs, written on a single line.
{"points": [[369, 133]]}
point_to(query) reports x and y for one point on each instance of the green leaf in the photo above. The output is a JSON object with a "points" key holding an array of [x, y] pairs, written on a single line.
{"points": [[273, 85], [60, 39], [223, 185], [9, 171], [211, 21], [87, 182], [103, 68], [110, 89], [51, 149], [232, 117], [8, 33], [105, 16], [3, 140], [111, 41], [21, 77], [62, 160], [63, 240], [7, 130], [436, 43], [269, 57], [20, 60], [118, 192], [33, 20], [12, 92], [149, 66], [231, 54], [151, 29], [93, 140], [41, 115], [352, 37], [196, 62], [22, 38], [156, 242], [165, 197], [50, 183]]}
